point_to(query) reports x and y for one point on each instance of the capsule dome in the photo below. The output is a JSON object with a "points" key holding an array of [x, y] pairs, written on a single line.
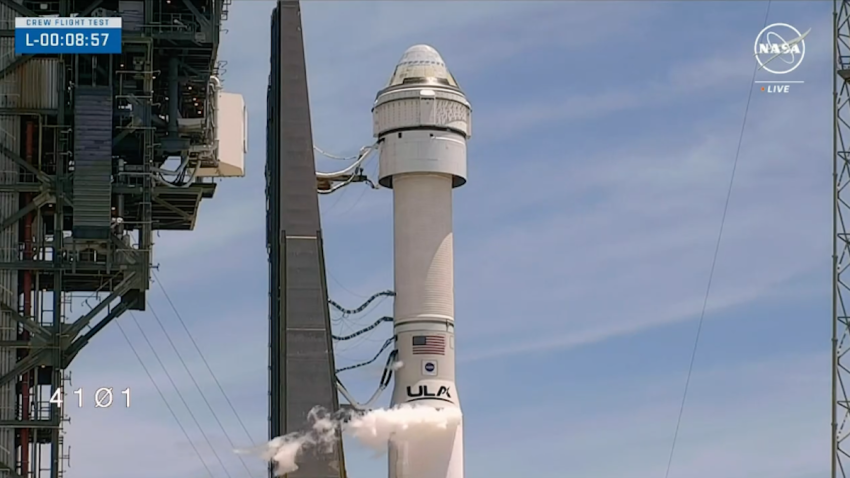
{"points": [[421, 64]]}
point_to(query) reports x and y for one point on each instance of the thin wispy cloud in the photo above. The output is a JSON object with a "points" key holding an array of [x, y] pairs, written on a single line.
{"points": [[604, 139]]}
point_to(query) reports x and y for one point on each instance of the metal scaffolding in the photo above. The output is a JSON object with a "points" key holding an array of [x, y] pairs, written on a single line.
{"points": [[841, 239], [80, 139]]}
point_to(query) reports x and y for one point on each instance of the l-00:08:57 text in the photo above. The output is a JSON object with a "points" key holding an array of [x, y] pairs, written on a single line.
{"points": [[68, 39]]}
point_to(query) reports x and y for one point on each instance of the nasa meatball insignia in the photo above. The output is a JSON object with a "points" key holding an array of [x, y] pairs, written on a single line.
{"points": [[429, 367]]}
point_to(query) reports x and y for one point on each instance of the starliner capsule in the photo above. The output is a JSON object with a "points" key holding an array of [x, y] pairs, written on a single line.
{"points": [[422, 121]]}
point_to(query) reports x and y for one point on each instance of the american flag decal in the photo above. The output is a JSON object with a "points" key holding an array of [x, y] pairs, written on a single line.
{"points": [[429, 345]]}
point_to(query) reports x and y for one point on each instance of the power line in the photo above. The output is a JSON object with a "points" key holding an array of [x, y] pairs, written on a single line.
{"points": [[192, 377], [164, 400], [333, 278], [180, 395], [197, 386], [713, 264], [201, 354]]}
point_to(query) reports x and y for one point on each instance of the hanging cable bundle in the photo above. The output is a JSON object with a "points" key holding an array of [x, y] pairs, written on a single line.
{"points": [[345, 312], [363, 330], [328, 183], [384, 347], [386, 377]]}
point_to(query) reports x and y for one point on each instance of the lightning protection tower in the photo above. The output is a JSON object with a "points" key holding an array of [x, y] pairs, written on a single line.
{"points": [[301, 368], [840, 240]]}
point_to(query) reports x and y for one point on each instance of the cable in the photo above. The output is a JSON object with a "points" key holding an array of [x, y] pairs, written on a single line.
{"points": [[354, 203], [164, 400], [337, 282], [197, 386], [386, 293], [201, 354], [365, 152], [338, 186], [335, 203], [386, 377], [368, 362], [713, 264], [349, 175], [203, 359], [159, 390], [180, 395], [331, 156], [363, 330]]}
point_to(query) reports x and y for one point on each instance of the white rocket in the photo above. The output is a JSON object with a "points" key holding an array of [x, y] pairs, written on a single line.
{"points": [[422, 121]]}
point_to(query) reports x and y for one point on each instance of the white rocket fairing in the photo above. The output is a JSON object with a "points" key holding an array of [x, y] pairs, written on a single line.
{"points": [[422, 121]]}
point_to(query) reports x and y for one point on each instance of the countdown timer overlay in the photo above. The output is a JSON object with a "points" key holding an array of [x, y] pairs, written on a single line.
{"points": [[58, 35]]}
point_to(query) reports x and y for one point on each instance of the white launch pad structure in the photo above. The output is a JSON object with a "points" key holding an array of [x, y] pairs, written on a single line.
{"points": [[422, 121]]}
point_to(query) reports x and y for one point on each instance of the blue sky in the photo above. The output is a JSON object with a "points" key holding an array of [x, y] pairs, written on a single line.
{"points": [[604, 139]]}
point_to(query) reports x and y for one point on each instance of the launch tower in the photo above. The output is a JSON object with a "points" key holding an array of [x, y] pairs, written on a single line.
{"points": [[301, 357], [83, 186]]}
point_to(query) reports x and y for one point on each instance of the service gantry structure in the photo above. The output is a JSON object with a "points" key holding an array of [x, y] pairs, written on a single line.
{"points": [[83, 139]]}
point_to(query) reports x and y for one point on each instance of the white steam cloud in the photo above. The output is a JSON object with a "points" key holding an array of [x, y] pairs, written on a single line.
{"points": [[420, 426]]}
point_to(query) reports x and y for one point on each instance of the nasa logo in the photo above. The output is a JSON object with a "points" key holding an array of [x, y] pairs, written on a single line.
{"points": [[782, 42], [429, 367]]}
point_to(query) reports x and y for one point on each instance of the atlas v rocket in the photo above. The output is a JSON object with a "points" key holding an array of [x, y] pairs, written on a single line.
{"points": [[422, 121]]}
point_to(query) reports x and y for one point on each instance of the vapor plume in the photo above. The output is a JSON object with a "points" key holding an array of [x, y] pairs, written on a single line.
{"points": [[376, 429]]}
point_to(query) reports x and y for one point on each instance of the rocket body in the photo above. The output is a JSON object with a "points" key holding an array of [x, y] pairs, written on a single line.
{"points": [[422, 121]]}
